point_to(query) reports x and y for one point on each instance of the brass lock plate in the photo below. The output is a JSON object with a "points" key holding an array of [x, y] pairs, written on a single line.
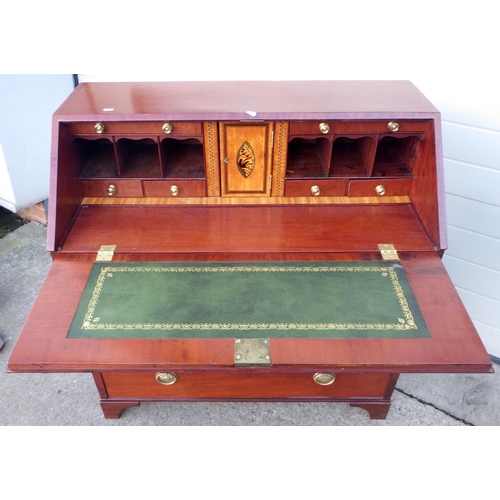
{"points": [[251, 352]]}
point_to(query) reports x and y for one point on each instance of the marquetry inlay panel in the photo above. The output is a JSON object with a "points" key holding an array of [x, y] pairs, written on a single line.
{"points": [[211, 140], [280, 146], [246, 158]]}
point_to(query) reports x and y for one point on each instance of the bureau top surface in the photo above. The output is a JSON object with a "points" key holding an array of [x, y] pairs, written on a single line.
{"points": [[245, 100]]}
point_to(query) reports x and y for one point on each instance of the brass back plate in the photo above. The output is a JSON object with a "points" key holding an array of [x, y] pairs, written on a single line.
{"points": [[251, 352]]}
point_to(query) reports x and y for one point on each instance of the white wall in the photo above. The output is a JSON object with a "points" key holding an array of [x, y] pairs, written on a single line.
{"points": [[27, 103], [449, 50]]}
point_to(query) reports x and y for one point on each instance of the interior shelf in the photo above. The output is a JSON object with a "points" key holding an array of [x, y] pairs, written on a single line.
{"points": [[98, 158], [352, 157], [306, 158], [395, 156], [143, 158], [283, 226], [182, 159], [138, 158]]}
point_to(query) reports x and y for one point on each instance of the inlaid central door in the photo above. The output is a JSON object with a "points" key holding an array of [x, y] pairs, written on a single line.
{"points": [[246, 158]]}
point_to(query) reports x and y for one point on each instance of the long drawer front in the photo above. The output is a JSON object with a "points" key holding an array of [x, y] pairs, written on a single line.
{"points": [[247, 385]]}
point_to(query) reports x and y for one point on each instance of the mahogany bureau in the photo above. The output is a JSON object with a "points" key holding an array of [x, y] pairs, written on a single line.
{"points": [[300, 177]]}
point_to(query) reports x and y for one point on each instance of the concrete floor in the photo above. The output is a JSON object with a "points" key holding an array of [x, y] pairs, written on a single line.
{"points": [[72, 400]]}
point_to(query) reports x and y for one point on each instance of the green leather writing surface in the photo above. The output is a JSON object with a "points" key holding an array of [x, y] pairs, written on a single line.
{"points": [[248, 300]]}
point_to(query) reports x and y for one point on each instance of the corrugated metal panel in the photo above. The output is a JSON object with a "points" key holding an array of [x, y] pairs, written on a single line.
{"points": [[473, 277], [479, 147], [473, 215], [472, 180], [474, 247]]}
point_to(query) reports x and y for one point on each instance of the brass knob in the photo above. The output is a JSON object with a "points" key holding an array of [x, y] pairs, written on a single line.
{"points": [[324, 128], [166, 378], [111, 190], [393, 126], [167, 128], [380, 190], [174, 190], [99, 128], [324, 378], [315, 190]]}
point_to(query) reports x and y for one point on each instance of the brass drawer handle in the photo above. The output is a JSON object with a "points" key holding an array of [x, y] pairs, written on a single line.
{"points": [[324, 378], [393, 126], [167, 128], [99, 128], [324, 128], [166, 378], [174, 190], [315, 190], [380, 190], [111, 190]]}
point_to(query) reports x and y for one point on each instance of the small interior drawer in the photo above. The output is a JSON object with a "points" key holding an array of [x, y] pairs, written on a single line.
{"points": [[379, 187], [337, 127], [130, 128], [310, 128], [174, 188], [112, 188], [317, 188], [243, 384], [389, 126]]}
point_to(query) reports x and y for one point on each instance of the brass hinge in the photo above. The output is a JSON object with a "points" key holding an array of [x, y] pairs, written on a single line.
{"points": [[250, 352], [388, 252], [105, 253]]}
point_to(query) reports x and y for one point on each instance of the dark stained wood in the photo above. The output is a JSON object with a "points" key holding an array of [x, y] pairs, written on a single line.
{"points": [[114, 409], [276, 219], [240, 383], [290, 228], [393, 187], [233, 100], [99, 383], [353, 126], [454, 346], [160, 189], [124, 188], [133, 127], [330, 187], [377, 410], [427, 190], [65, 192], [44, 340], [352, 108], [371, 392]]}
